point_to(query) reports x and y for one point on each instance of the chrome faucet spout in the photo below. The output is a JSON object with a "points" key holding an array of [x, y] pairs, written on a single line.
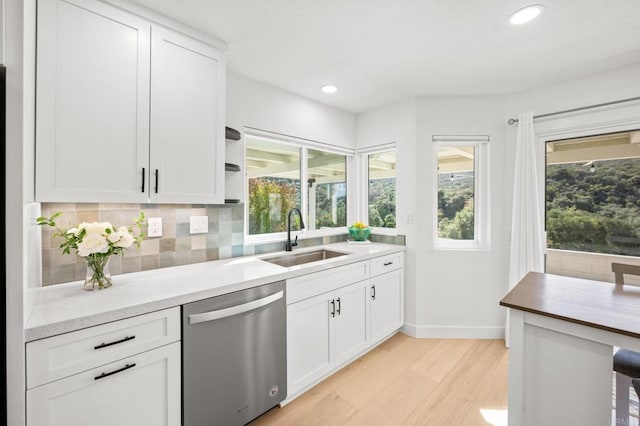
{"points": [[289, 245]]}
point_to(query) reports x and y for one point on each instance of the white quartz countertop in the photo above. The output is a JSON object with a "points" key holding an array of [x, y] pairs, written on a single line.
{"points": [[67, 307]]}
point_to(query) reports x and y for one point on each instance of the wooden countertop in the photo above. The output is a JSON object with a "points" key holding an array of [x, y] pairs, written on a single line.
{"points": [[597, 304]]}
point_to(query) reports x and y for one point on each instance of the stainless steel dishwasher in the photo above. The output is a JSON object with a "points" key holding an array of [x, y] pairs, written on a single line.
{"points": [[234, 364]]}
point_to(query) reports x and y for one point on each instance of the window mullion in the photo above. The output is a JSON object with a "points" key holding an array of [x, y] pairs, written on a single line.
{"points": [[304, 186]]}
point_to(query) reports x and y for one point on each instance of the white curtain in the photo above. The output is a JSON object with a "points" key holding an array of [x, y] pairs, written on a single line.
{"points": [[527, 234]]}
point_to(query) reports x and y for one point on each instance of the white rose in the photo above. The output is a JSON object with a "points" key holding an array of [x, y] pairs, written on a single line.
{"points": [[125, 238], [95, 227], [73, 231], [92, 243], [113, 237]]}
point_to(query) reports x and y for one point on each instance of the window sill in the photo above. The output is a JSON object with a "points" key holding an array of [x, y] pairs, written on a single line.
{"points": [[460, 246], [281, 237]]}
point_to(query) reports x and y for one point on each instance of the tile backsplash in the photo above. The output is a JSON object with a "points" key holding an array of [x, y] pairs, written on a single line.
{"points": [[176, 246], [225, 238]]}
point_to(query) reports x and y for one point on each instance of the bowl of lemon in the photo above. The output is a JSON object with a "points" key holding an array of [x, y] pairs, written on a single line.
{"points": [[359, 231]]}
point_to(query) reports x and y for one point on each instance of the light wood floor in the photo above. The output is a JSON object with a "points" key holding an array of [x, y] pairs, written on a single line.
{"points": [[407, 381]]}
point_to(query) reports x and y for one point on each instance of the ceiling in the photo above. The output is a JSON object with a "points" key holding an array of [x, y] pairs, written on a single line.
{"points": [[379, 51]]}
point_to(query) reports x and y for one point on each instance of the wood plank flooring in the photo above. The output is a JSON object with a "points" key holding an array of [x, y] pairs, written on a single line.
{"points": [[407, 381]]}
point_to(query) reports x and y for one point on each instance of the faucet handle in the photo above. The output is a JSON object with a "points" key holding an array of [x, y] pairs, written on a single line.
{"points": [[295, 242]]}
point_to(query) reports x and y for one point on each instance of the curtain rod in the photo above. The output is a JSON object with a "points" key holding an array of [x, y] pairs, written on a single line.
{"points": [[512, 121]]}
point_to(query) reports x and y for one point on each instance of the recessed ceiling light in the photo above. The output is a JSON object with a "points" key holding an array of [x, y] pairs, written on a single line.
{"points": [[329, 88], [526, 14]]}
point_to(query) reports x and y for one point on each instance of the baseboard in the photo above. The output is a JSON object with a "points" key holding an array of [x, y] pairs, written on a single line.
{"points": [[452, 332]]}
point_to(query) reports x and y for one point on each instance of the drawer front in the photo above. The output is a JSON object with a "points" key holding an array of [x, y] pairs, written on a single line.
{"points": [[66, 354], [301, 288], [141, 390], [391, 262]]}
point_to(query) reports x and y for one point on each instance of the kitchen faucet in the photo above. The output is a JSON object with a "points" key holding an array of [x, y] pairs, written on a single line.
{"points": [[290, 244]]}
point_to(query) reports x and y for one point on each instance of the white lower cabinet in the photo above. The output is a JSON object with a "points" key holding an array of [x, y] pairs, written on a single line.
{"points": [[331, 321], [350, 330], [126, 372], [386, 304], [141, 390], [323, 332]]}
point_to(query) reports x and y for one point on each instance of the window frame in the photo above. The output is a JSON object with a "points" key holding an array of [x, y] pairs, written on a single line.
{"points": [[303, 145], [363, 204], [481, 223]]}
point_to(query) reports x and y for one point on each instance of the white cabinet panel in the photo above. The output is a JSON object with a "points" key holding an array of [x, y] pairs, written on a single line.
{"points": [[126, 110], [187, 119], [350, 322], [144, 390], [309, 332], [386, 304], [66, 354], [92, 127]]}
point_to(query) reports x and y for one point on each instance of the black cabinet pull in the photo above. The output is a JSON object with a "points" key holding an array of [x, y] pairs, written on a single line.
{"points": [[104, 345], [373, 292], [339, 306], [388, 263], [111, 373], [156, 181], [333, 308], [143, 170]]}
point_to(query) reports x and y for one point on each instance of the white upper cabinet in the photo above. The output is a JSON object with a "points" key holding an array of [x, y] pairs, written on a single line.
{"points": [[116, 108], [187, 119], [92, 116]]}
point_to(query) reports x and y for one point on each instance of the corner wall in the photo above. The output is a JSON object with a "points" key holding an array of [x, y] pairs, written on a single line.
{"points": [[397, 123]]}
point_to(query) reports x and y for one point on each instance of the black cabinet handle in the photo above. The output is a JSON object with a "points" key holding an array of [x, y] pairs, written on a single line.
{"points": [[104, 345], [388, 263], [111, 373], [333, 308], [373, 292], [143, 170], [339, 306], [156, 181]]}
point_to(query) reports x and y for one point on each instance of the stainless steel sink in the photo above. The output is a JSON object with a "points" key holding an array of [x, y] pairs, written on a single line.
{"points": [[293, 259]]}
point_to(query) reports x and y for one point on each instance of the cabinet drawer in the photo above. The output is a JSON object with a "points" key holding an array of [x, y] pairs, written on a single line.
{"points": [[141, 390], [66, 354], [320, 282], [381, 265]]}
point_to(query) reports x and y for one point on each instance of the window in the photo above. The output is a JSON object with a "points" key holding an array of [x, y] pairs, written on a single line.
{"points": [[592, 197], [381, 189], [327, 185], [460, 192], [276, 168], [273, 173]]}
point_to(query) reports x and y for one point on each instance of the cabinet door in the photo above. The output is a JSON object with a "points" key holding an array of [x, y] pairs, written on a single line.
{"points": [[92, 127], [146, 391], [350, 332], [387, 304], [309, 330], [187, 120]]}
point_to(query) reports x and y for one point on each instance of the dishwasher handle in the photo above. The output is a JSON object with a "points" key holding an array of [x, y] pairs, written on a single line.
{"points": [[235, 310]]}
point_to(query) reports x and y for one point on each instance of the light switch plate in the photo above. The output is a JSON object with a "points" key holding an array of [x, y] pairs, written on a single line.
{"points": [[199, 224], [154, 227]]}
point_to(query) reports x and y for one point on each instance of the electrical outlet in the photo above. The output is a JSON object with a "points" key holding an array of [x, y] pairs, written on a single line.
{"points": [[199, 224], [409, 218], [154, 227]]}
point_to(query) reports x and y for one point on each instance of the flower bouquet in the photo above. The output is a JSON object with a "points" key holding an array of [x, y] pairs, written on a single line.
{"points": [[359, 231], [96, 242]]}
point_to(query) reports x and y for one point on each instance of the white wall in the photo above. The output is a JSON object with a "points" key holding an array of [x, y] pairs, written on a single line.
{"points": [[397, 123], [259, 105], [447, 293], [458, 291], [254, 104]]}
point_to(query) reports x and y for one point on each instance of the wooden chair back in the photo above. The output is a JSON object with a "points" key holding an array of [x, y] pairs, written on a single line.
{"points": [[619, 269]]}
